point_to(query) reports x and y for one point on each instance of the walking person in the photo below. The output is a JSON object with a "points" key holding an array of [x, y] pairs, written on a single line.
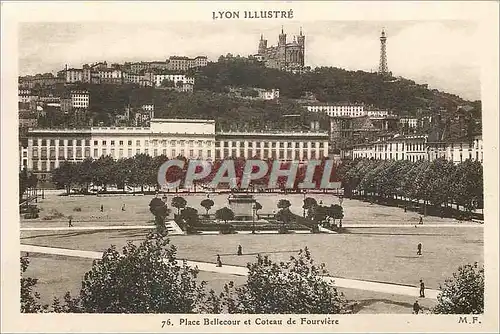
{"points": [[421, 221], [70, 224], [240, 251], [416, 307], [123, 207], [419, 249], [219, 262], [422, 289], [102, 208]]}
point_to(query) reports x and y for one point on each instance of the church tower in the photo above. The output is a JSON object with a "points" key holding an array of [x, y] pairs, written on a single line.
{"points": [[282, 38], [301, 39], [262, 45]]}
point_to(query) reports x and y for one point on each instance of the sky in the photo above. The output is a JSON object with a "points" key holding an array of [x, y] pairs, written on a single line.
{"points": [[443, 54]]}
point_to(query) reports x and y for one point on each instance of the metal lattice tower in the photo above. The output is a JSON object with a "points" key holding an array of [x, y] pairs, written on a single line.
{"points": [[382, 68]]}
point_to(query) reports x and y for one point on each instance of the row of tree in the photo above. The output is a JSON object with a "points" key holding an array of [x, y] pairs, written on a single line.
{"points": [[438, 183], [148, 278], [142, 171]]}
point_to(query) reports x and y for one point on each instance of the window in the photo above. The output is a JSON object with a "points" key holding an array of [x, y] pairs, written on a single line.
{"points": [[120, 143], [129, 143], [104, 142], [137, 143], [200, 153], [35, 153], [96, 153], [113, 152], [273, 145], [112, 143], [146, 151], [44, 142], [78, 142], [104, 152], [155, 152], [182, 152], [209, 154], [52, 142], [95, 143], [44, 166], [146, 143]]}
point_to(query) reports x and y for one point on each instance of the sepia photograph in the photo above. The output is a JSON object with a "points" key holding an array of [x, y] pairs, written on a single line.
{"points": [[252, 163]]}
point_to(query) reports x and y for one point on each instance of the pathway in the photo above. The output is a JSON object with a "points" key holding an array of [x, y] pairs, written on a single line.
{"points": [[390, 288]]}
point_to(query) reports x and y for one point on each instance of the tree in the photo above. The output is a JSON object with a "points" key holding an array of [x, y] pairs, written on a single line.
{"points": [[190, 216], [207, 203], [146, 278], [167, 83], [284, 204], [257, 206], [336, 212], [224, 214], [293, 287], [29, 297], [463, 293], [309, 204], [179, 203], [65, 175], [160, 210]]}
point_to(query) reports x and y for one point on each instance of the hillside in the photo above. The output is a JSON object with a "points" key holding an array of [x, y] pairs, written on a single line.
{"points": [[328, 84], [210, 99]]}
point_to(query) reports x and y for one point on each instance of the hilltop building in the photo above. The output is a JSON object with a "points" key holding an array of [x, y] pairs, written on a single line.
{"points": [[284, 56]]}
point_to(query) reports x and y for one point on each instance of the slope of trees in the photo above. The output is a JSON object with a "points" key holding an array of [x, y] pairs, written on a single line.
{"points": [[329, 84]]}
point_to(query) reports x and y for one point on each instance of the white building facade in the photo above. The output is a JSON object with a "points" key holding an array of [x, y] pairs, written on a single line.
{"points": [[335, 110], [414, 148], [278, 145], [190, 138], [411, 122], [80, 99], [158, 79]]}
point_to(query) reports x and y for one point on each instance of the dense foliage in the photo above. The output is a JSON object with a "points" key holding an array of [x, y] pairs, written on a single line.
{"points": [[463, 293], [438, 183], [142, 171], [295, 286], [146, 278]]}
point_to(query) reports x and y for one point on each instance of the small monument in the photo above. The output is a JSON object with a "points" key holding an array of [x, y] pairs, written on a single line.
{"points": [[242, 206]]}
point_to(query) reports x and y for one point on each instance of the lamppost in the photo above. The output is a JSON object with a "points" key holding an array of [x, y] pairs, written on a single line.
{"points": [[303, 205], [253, 217]]}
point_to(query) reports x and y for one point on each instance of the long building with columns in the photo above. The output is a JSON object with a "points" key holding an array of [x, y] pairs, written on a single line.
{"points": [[196, 139], [416, 147]]}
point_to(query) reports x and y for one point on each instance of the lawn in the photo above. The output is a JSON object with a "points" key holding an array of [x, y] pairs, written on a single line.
{"points": [[379, 254], [58, 274], [59, 208]]}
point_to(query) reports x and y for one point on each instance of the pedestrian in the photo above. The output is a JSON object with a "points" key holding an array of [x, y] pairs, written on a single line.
{"points": [[405, 208], [240, 252], [123, 207], [422, 289], [421, 220], [219, 262], [102, 208], [416, 307], [70, 224], [419, 249]]}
